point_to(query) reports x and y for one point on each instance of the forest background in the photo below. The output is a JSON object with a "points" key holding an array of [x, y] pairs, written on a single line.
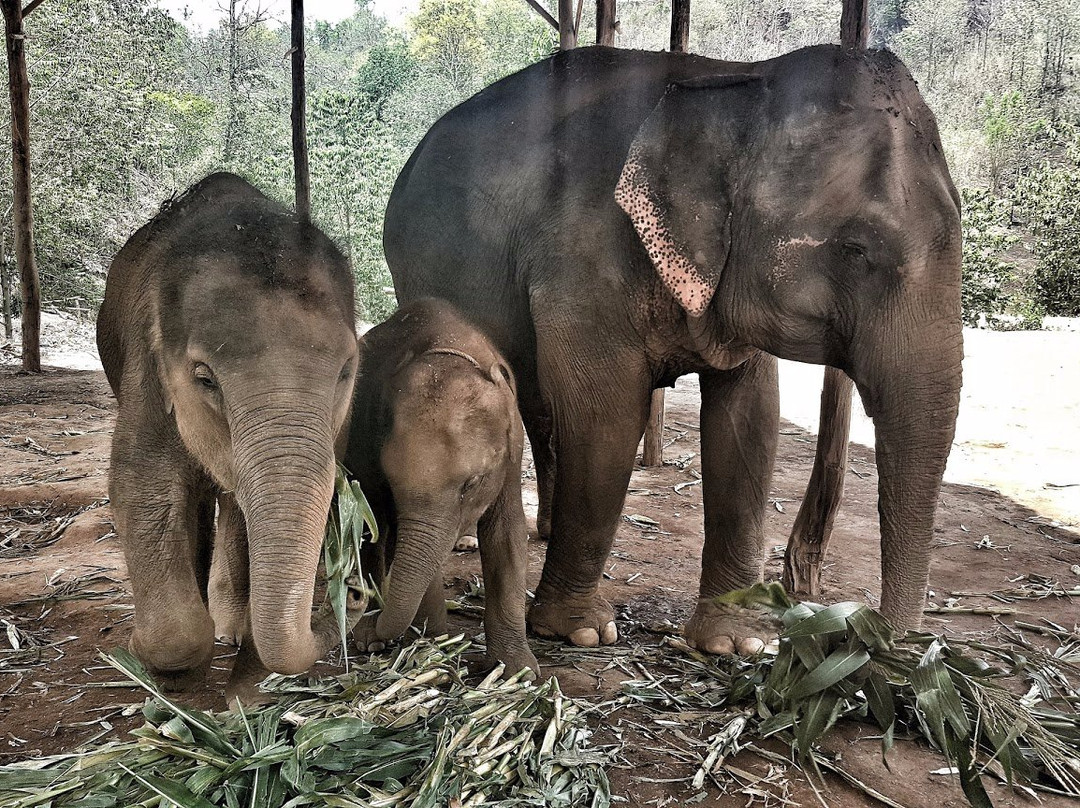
{"points": [[129, 106]]}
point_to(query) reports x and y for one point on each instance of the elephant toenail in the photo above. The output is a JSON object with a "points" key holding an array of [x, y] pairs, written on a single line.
{"points": [[585, 638], [609, 634], [719, 645], [749, 646]]}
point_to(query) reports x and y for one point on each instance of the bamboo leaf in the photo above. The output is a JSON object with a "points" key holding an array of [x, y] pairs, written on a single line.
{"points": [[879, 698], [170, 790], [837, 666], [829, 620]]}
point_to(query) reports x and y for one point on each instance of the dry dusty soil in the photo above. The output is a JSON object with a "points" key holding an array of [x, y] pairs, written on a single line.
{"points": [[64, 595]]}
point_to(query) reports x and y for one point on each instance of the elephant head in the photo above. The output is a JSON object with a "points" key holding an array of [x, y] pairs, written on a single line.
{"points": [[453, 438], [806, 209], [255, 347]]}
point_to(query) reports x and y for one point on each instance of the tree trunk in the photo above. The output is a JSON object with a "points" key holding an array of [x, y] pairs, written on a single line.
{"points": [[854, 24], [19, 90], [567, 33], [231, 113], [813, 526], [299, 122], [5, 288], [652, 452], [605, 22], [680, 26]]}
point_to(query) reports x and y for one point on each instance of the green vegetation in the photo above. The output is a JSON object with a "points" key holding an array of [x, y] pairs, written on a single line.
{"points": [[399, 730], [130, 106]]}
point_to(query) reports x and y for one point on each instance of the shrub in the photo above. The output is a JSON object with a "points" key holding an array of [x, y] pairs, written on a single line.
{"points": [[985, 275], [1050, 200]]}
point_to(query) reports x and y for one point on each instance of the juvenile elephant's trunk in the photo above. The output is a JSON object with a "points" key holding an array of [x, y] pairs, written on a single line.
{"points": [[422, 548], [285, 479], [914, 405]]}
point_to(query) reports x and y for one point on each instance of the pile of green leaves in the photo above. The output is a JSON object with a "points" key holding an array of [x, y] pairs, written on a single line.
{"points": [[403, 730], [844, 661]]}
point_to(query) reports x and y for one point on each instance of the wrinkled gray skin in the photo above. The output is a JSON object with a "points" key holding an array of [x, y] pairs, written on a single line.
{"points": [[227, 335], [616, 219], [435, 441]]}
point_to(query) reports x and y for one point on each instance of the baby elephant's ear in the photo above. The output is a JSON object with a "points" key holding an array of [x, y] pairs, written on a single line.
{"points": [[679, 177], [500, 374], [405, 360]]}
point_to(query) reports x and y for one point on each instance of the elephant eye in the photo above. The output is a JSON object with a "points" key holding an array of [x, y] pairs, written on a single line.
{"points": [[204, 377], [472, 482], [853, 249], [346, 372]]}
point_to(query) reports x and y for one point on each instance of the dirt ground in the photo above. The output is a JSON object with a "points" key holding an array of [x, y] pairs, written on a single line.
{"points": [[64, 595]]}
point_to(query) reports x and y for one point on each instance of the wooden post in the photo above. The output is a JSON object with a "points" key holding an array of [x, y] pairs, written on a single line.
{"points": [[605, 22], [814, 523], [19, 92], [299, 119], [680, 26], [567, 32], [854, 24], [5, 286], [652, 453]]}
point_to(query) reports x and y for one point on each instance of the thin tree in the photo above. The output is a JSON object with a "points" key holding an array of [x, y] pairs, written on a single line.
{"points": [[805, 555], [299, 119], [19, 92]]}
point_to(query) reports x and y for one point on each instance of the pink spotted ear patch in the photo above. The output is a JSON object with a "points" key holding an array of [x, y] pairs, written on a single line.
{"points": [[692, 287]]}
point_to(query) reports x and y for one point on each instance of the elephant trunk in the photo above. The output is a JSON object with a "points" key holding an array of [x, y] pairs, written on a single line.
{"points": [[422, 548], [914, 406], [285, 480]]}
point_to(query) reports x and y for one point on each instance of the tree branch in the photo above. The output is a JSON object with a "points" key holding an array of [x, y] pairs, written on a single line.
{"points": [[31, 6], [543, 12]]}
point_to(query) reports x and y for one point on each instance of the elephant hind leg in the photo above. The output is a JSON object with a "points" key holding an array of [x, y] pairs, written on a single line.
{"points": [[537, 420]]}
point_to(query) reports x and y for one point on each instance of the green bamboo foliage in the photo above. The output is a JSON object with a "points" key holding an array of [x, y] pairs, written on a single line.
{"points": [[844, 661], [400, 730], [349, 523]]}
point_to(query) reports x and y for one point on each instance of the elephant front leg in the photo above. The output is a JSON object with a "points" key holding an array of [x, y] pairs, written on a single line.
{"points": [[596, 438], [156, 502], [740, 419], [229, 589], [504, 556]]}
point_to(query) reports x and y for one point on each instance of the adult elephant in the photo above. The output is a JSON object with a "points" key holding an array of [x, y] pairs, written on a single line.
{"points": [[616, 219]]}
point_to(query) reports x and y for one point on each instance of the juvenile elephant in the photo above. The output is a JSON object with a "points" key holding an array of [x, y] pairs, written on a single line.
{"points": [[615, 219], [227, 336], [435, 441]]}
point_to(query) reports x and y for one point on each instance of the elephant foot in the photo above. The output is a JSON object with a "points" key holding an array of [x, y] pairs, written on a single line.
{"points": [[586, 621], [247, 672], [515, 660], [466, 544], [183, 663], [727, 629], [230, 622], [365, 638]]}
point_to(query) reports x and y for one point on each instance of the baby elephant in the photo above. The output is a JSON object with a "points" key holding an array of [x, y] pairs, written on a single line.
{"points": [[227, 336], [435, 441]]}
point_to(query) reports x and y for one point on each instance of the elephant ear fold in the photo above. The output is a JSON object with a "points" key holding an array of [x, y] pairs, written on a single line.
{"points": [[499, 373], [679, 177]]}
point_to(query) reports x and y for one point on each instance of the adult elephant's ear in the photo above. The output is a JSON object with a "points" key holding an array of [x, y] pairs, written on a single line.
{"points": [[679, 177]]}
